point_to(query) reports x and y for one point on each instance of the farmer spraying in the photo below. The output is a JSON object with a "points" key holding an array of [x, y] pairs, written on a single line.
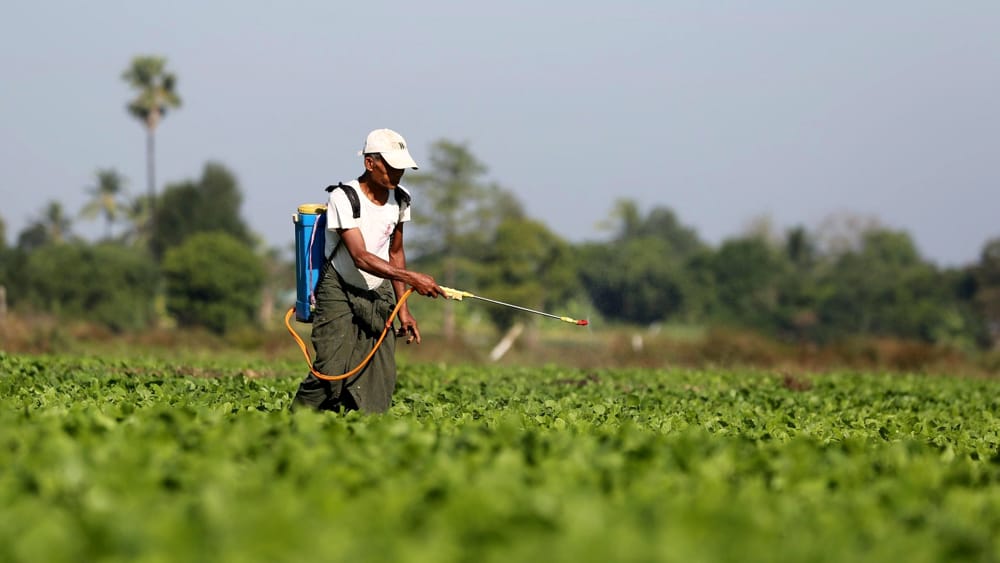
{"points": [[354, 289], [361, 280]]}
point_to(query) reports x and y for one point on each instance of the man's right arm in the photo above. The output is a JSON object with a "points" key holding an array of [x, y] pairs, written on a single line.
{"points": [[368, 262]]}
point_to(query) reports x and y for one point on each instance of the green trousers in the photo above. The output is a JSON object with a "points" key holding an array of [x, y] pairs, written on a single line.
{"points": [[346, 324]]}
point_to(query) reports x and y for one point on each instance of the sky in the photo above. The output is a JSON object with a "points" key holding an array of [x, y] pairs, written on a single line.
{"points": [[729, 113]]}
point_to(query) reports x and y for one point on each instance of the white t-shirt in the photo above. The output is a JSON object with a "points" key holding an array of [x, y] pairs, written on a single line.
{"points": [[377, 223]]}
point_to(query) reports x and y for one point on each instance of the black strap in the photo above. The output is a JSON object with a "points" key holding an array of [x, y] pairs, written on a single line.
{"points": [[402, 197], [352, 196]]}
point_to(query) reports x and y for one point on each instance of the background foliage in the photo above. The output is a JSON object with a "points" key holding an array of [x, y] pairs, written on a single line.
{"points": [[104, 282], [806, 285], [213, 280]]}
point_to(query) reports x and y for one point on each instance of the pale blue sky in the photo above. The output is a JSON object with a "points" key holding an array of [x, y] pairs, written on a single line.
{"points": [[723, 111]]}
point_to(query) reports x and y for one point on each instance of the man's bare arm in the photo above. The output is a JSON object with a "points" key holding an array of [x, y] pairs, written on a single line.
{"points": [[397, 272]]}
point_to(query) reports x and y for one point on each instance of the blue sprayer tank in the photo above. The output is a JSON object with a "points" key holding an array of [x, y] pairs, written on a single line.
{"points": [[309, 256]]}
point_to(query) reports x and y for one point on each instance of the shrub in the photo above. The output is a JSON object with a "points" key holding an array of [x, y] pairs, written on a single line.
{"points": [[106, 283], [214, 281]]}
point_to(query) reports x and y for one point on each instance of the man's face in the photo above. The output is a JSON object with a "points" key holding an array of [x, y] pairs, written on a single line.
{"points": [[382, 174]]}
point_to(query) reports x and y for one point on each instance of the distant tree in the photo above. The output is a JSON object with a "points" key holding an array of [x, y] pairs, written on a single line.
{"points": [[5, 265], [634, 280], [12, 260], [987, 286], [798, 290], [762, 280], [279, 279], [745, 275], [883, 288], [106, 199], [641, 275], [137, 217], [213, 280], [156, 92], [212, 203], [460, 215], [624, 220], [57, 223], [527, 264], [110, 284], [869, 283], [34, 236], [801, 248], [659, 222], [53, 227]]}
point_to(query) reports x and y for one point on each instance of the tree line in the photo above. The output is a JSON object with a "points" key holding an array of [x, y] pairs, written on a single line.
{"points": [[187, 256], [205, 267], [850, 277]]}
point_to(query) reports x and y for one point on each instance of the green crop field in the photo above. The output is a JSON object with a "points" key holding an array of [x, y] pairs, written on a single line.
{"points": [[118, 459]]}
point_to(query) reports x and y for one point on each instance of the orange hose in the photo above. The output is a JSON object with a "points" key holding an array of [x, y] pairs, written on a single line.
{"points": [[364, 362]]}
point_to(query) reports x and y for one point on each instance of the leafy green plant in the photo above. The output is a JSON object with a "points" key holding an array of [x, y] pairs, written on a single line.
{"points": [[143, 460]]}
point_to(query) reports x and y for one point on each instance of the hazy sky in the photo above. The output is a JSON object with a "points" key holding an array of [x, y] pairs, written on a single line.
{"points": [[722, 111]]}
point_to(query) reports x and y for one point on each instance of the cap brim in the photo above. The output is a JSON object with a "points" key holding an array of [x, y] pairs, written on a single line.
{"points": [[399, 159]]}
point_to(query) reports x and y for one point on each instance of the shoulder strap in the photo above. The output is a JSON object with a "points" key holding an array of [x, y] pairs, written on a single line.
{"points": [[352, 196], [402, 197]]}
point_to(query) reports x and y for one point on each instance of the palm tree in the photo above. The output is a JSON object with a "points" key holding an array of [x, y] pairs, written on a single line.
{"points": [[106, 198], [156, 93], [56, 223], [52, 227]]}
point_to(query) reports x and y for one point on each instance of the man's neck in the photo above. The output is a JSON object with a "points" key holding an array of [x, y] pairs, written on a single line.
{"points": [[376, 194]]}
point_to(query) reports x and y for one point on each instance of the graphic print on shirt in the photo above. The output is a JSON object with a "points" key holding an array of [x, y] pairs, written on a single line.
{"points": [[384, 238]]}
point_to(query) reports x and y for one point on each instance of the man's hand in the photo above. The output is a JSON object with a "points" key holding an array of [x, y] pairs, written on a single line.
{"points": [[425, 285], [408, 327]]}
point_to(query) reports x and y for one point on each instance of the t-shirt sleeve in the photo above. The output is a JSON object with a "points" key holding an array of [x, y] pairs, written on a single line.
{"points": [[339, 213], [404, 208]]}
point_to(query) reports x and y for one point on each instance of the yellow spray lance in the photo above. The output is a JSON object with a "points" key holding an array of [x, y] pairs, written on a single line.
{"points": [[458, 294]]}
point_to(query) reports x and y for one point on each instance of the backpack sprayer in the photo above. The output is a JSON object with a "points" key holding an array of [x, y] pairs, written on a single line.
{"points": [[310, 243], [309, 257]]}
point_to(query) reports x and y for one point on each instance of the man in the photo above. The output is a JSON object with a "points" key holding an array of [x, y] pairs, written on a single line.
{"points": [[363, 276]]}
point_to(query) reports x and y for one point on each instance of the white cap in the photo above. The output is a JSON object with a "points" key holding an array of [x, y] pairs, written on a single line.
{"points": [[391, 146]]}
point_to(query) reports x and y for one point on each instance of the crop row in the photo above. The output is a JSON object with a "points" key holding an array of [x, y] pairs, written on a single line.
{"points": [[132, 460]]}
